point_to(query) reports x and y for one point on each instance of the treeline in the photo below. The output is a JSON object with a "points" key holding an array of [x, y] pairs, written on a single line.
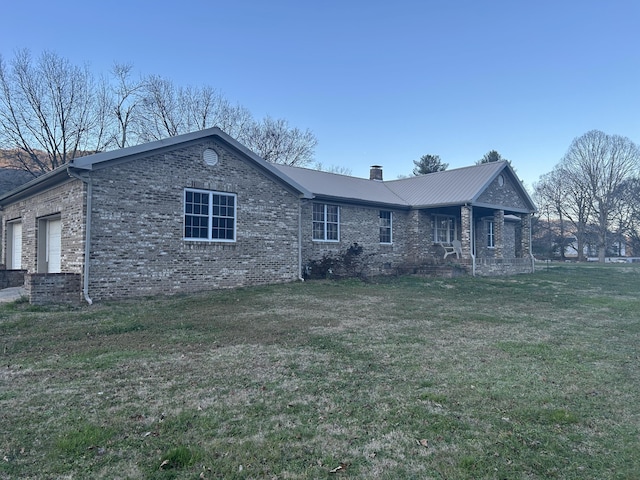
{"points": [[595, 188], [52, 111]]}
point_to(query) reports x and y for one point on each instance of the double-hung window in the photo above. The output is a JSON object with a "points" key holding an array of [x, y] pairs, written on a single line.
{"points": [[444, 228], [209, 216], [326, 222], [490, 234], [385, 219]]}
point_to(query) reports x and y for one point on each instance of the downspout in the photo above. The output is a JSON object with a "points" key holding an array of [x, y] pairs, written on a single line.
{"points": [[300, 277], [533, 260], [87, 234], [472, 239]]}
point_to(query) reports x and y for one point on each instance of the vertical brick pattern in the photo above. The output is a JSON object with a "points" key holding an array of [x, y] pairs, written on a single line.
{"points": [[138, 226], [465, 233], [498, 233], [525, 235]]}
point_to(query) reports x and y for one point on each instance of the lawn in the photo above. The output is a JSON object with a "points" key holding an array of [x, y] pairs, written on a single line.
{"points": [[526, 377]]}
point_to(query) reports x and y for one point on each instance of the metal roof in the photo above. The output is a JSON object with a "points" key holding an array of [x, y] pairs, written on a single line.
{"points": [[343, 187], [451, 187]]}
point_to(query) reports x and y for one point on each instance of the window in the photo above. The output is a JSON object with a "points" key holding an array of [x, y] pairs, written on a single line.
{"points": [[209, 216], [490, 234], [326, 222], [385, 226], [444, 228]]}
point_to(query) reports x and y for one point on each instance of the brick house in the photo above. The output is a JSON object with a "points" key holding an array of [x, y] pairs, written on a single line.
{"points": [[200, 211]]}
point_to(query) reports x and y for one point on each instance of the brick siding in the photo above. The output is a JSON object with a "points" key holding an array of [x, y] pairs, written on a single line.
{"points": [[138, 226]]}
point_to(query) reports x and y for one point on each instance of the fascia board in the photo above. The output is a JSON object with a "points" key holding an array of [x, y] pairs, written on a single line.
{"points": [[38, 184], [356, 201]]}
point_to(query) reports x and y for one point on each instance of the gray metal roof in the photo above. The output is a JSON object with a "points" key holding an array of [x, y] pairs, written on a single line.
{"points": [[343, 187], [451, 187]]}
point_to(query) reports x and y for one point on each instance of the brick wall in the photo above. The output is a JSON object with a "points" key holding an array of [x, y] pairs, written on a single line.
{"points": [[359, 225], [138, 221], [11, 278], [505, 194], [68, 200], [412, 237], [47, 288]]}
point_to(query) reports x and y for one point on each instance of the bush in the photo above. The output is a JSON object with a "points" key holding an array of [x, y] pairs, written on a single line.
{"points": [[348, 264]]}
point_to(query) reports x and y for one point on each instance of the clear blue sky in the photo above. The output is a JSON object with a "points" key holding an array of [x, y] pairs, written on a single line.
{"points": [[378, 82]]}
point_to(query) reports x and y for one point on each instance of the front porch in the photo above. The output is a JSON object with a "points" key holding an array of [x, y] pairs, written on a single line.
{"points": [[491, 241]]}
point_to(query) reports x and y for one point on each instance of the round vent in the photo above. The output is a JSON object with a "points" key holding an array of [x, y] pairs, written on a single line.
{"points": [[210, 157]]}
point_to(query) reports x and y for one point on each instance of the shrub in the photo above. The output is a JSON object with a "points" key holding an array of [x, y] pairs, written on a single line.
{"points": [[348, 264]]}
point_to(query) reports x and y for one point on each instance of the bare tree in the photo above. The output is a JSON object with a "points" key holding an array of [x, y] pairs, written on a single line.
{"points": [[50, 111], [568, 199], [125, 100], [337, 169], [166, 110], [276, 142], [160, 112], [599, 164]]}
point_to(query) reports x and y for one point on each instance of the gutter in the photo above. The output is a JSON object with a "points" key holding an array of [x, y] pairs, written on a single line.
{"points": [[87, 235]]}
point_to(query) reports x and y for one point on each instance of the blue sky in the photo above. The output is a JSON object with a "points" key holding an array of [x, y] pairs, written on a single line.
{"points": [[378, 82]]}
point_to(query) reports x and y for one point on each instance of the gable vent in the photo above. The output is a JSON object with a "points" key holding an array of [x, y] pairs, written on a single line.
{"points": [[210, 157]]}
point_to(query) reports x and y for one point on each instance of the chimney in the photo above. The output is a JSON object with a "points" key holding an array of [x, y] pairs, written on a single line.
{"points": [[375, 173]]}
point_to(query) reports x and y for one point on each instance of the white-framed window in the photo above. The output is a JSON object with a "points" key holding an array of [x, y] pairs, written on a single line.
{"points": [[326, 222], [386, 226], [209, 216], [443, 228], [490, 234]]}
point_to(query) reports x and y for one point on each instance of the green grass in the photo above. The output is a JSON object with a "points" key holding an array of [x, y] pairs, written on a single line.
{"points": [[526, 377]]}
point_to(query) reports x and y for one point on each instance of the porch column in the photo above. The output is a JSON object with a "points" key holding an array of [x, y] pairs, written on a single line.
{"points": [[465, 232], [498, 232], [525, 235]]}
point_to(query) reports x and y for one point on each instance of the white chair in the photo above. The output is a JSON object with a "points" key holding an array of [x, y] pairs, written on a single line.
{"points": [[450, 248]]}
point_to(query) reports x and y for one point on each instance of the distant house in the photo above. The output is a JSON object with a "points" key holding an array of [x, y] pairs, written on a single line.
{"points": [[200, 211]]}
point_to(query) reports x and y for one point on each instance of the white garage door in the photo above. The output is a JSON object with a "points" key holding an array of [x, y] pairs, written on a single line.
{"points": [[54, 245], [16, 246]]}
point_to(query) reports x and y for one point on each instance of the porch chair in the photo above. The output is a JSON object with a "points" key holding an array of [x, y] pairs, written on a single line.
{"points": [[450, 248]]}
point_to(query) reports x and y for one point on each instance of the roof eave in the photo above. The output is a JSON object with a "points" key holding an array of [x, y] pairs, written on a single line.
{"points": [[38, 184], [358, 201]]}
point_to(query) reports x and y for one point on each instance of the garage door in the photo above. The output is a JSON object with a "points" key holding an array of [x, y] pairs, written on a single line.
{"points": [[54, 245], [16, 245]]}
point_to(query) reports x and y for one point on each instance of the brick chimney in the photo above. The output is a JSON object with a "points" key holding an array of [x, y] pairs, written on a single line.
{"points": [[375, 173]]}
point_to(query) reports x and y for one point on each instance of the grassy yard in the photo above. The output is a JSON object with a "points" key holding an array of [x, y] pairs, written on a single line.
{"points": [[527, 377]]}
